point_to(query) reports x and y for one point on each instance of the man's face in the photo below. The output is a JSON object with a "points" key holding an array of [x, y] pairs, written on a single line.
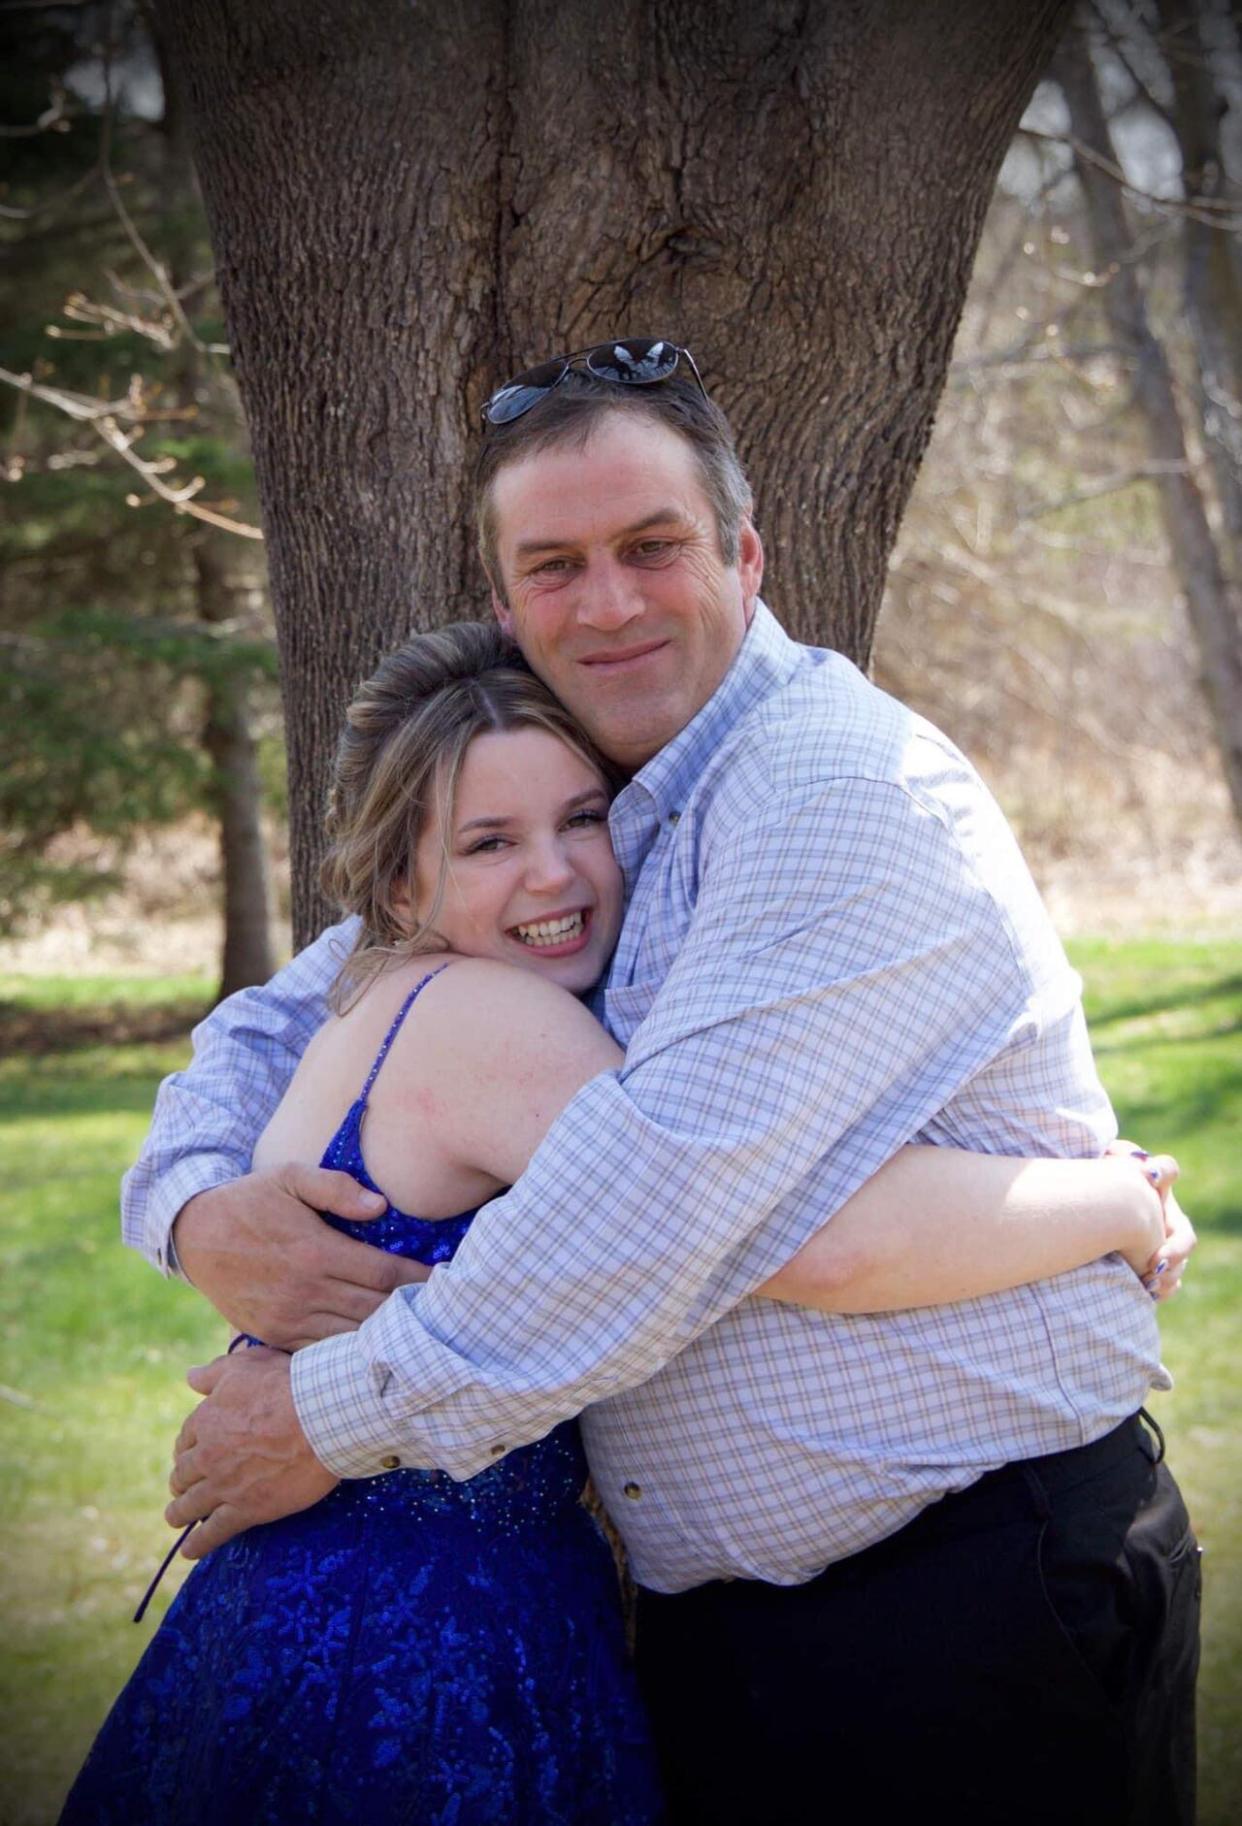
{"points": [[616, 592]]}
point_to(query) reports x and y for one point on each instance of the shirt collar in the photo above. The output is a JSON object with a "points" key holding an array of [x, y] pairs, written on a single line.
{"points": [[765, 661]]}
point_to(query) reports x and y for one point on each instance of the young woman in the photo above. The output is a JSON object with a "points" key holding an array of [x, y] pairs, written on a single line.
{"points": [[411, 1649]]}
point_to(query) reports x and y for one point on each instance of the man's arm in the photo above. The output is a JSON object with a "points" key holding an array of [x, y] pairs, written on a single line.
{"points": [[844, 974], [208, 1117], [251, 1242]]}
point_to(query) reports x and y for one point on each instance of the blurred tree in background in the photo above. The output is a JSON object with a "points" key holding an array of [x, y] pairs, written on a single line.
{"points": [[1083, 490], [1067, 578], [135, 637]]}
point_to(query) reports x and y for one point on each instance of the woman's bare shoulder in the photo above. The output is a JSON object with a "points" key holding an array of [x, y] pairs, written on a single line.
{"points": [[479, 1004]]}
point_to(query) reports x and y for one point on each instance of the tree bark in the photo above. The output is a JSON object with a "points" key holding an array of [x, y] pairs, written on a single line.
{"points": [[409, 203], [1212, 609]]}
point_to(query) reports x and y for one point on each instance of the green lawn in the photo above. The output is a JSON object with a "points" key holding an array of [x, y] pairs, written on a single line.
{"points": [[1166, 1020], [94, 1344]]}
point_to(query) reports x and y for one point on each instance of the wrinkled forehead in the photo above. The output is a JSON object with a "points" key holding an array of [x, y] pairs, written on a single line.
{"points": [[626, 464]]}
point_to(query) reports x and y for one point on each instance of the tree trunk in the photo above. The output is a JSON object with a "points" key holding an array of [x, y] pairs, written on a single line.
{"points": [[237, 794], [1213, 287], [408, 204], [225, 594], [1213, 612]]}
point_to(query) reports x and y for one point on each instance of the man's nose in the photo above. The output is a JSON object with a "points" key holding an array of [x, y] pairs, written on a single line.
{"points": [[610, 596]]}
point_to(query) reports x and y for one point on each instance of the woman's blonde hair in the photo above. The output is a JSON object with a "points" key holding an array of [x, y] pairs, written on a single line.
{"points": [[399, 757]]}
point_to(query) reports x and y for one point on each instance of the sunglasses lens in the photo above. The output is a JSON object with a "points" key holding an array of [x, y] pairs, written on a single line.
{"points": [[523, 392], [636, 363]]}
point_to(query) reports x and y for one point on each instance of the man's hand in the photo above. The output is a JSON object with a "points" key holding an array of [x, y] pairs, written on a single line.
{"points": [[241, 1457], [258, 1250]]}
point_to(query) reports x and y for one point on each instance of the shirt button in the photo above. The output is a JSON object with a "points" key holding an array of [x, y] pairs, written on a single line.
{"points": [[632, 1490], [391, 1463], [674, 817], [499, 1451]]}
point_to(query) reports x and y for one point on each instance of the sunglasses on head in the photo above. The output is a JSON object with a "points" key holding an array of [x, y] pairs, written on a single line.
{"points": [[640, 362]]}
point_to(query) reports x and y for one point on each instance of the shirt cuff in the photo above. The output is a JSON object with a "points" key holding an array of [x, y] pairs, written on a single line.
{"points": [[176, 1187], [344, 1420]]}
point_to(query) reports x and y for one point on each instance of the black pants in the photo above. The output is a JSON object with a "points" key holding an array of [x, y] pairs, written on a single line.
{"points": [[1022, 1654]]}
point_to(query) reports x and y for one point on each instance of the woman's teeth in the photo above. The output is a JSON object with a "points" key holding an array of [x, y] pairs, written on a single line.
{"points": [[551, 931]]}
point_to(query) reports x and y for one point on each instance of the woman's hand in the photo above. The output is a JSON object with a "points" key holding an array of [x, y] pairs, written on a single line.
{"points": [[1161, 1267]]}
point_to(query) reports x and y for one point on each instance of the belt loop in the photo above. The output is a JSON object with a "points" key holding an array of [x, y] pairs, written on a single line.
{"points": [[1155, 1427], [1039, 1496]]}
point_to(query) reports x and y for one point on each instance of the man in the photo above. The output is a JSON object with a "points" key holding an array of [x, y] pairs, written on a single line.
{"points": [[896, 1536]]}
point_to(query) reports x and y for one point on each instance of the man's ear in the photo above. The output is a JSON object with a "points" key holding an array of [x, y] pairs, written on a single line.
{"points": [[502, 612], [749, 564]]}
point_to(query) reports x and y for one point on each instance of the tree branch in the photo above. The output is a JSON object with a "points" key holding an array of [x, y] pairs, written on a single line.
{"points": [[104, 418], [1108, 485], [52, 120], [1214, 212]]}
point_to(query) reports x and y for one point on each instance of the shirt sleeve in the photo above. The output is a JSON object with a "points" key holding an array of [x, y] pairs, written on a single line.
{"points": [[208, 1117], [843, 973]]}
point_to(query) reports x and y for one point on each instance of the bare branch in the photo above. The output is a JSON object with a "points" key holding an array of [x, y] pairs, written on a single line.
{"points": [[109, 322], [1027, 355], [1108, 485], [155, 267], [12, 214], [1214, 212], [53, 119], [104, 418]]}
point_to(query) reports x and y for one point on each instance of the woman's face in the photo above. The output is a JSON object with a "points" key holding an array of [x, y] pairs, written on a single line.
{"points": [[531, 877]]}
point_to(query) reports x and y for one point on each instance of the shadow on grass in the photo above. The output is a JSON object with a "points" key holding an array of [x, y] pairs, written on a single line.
{"points": [[122, 1093], [1134, 1044], [1136, 1010], [38, 1031]]}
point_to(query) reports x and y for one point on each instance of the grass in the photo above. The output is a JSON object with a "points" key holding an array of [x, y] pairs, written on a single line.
{"points": [[1166, 1021], [92, 1348], [93, 1345]]}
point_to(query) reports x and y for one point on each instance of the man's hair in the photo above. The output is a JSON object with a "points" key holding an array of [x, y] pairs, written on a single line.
{"points": [[569, 416], [398, 761]]}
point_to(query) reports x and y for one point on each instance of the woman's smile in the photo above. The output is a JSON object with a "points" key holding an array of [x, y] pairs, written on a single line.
{"points": [[525, 872], [556, 934]]}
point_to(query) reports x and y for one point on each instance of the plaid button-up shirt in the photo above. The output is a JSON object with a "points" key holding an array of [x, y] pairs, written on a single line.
{"points": [[832, 947]]}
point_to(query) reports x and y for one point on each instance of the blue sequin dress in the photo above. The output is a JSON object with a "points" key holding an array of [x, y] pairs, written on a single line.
{"points": [[410, 1649]]}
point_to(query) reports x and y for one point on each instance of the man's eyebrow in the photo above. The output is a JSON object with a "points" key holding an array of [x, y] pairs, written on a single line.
{"points": [[497, 821], [528, 548]]}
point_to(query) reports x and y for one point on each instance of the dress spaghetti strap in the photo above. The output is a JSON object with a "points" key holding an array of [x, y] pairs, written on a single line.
{"points": [[354, 1117], [395, 1029]]}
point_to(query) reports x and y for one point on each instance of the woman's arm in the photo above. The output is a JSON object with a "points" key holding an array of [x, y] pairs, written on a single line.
{"points": [[936, 1225], [506, 1051]]}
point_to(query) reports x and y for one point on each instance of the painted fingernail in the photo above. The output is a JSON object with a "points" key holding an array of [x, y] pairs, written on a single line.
{"points": [[1139, 1154], [1161, 1268]]}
